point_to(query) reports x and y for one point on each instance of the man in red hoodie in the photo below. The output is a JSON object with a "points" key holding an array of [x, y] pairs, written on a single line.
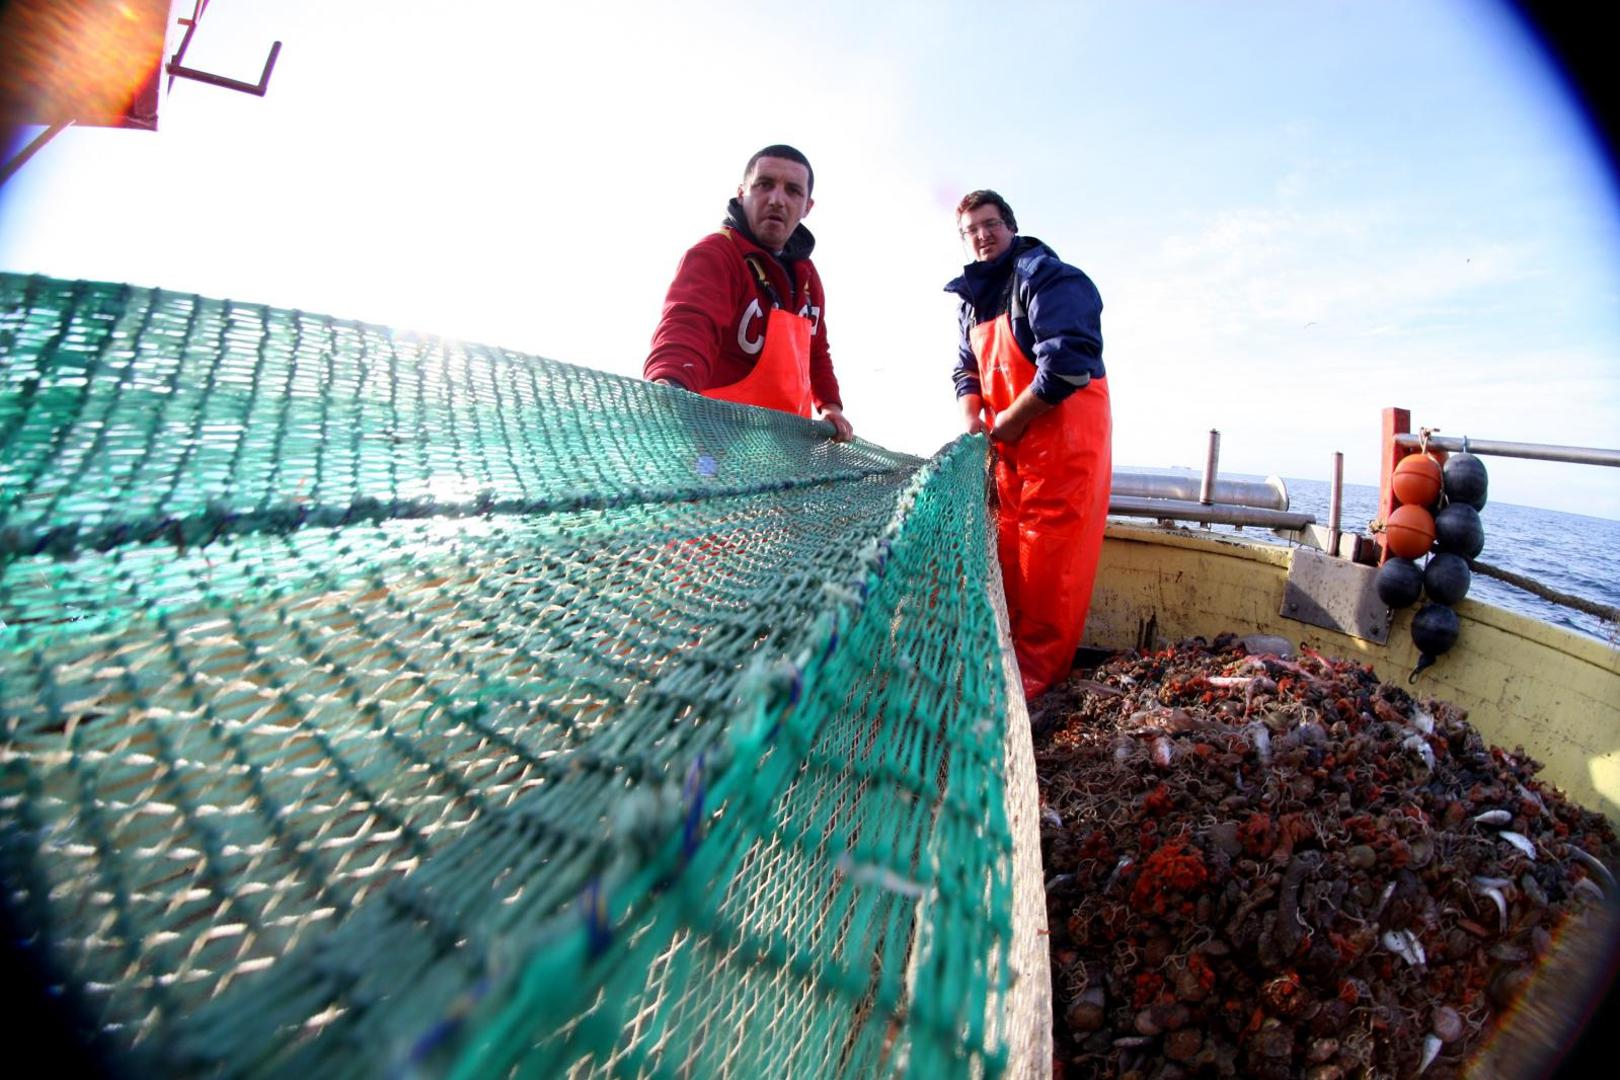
{"points": [[743, 318]]}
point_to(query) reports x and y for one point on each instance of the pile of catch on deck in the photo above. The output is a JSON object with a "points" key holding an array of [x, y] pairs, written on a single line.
{"points": [[1268, 866]]}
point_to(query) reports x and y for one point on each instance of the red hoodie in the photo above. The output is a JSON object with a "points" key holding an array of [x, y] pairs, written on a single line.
{"points": [[713, 324]]}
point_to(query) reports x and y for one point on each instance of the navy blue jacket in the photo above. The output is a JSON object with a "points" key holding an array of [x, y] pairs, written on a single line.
{"points": [[1056, 317]]}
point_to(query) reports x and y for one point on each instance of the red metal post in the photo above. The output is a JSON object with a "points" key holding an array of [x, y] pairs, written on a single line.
{"points": [[1396, 422]]}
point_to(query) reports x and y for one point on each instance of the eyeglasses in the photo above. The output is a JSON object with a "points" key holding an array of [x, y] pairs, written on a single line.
{"points": [[983, 228]]}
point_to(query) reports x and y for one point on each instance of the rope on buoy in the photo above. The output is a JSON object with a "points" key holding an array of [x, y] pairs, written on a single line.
{"points": [[1579, 603], [1424, 660]]}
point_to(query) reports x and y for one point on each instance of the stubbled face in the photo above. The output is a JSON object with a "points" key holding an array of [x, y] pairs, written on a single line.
{"points": [[985, 232], [775, 198]]}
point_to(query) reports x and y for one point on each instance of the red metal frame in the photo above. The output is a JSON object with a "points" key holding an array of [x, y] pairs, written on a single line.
{"points": [[1396, 422]]}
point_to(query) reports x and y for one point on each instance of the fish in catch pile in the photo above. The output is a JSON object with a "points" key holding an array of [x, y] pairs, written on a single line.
{"points": [[1272, 866]]}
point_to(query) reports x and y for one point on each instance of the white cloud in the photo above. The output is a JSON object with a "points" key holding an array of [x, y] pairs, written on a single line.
{"points": [[1291, 331]]}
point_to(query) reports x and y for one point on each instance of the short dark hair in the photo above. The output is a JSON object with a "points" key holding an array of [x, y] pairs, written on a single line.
{"points": [[787, 153], [985, 197]]}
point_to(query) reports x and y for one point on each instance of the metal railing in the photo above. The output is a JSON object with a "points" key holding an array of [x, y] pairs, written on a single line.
{"points": [[1269, 494], [1206, 513], [1578, 455], [1208, 500], [1205, 499]]}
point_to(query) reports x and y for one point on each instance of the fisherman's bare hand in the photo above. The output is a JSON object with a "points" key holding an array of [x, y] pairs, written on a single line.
{"points": [[973, 413], [843, 431], [1011, 424], [1007, 432]]}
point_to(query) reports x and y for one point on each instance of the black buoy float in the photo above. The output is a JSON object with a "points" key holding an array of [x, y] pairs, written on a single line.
{"points": [[1457, 529], [1465, 480], [1434, 630], [1446, 578], [1399, 583]]}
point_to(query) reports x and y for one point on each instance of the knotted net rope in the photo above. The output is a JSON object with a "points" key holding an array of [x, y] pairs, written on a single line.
{"points": [[380, 704]]}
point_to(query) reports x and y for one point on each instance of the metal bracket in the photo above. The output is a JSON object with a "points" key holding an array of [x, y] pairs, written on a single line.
{"points": [[1335, 594], [177, 70], [35, 145]]}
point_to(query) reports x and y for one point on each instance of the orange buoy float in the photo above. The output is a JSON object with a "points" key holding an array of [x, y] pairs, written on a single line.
{"points": [[1409, 532], [1417, 480]]}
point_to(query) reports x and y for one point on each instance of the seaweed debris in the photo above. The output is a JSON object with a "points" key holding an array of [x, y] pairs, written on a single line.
{"points": [[1274, 866]]}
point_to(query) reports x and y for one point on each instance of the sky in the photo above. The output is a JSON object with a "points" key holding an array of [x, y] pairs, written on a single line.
{"points": [[1297, 213]]}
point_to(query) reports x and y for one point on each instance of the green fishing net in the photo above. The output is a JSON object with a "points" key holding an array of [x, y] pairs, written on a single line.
{"points": [[380, 704]]}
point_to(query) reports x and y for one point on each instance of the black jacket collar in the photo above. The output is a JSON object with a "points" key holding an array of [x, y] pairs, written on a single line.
{"points": [[981, 282], [799, 245]]}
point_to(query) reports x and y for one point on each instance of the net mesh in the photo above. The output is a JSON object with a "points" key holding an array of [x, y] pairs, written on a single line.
{"points": [[379, 703]]}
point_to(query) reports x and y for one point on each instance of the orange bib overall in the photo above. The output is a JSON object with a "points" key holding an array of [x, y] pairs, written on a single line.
{"points": [[1053, 486], [781, 375]]}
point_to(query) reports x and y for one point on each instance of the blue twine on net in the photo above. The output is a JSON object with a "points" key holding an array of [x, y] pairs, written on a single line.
{"points": [[795, 689], [597, 932], [437, 1035], [693, 795]]}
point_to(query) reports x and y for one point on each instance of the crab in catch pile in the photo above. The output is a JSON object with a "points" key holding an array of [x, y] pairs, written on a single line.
{"points": [[1277, 866]]}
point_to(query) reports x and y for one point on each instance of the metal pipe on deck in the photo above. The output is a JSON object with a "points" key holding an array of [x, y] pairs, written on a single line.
{"points": [[1206, 494], [1269, 494], [1208, 514], [1578, 455], [1335, 502]]}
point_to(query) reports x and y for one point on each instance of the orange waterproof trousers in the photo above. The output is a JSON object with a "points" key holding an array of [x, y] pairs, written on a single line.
{"points": [[1052, 485]]}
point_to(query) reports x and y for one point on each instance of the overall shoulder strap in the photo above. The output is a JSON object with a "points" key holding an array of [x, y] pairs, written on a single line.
{"points": [[1012, 302], [757, 265]]}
